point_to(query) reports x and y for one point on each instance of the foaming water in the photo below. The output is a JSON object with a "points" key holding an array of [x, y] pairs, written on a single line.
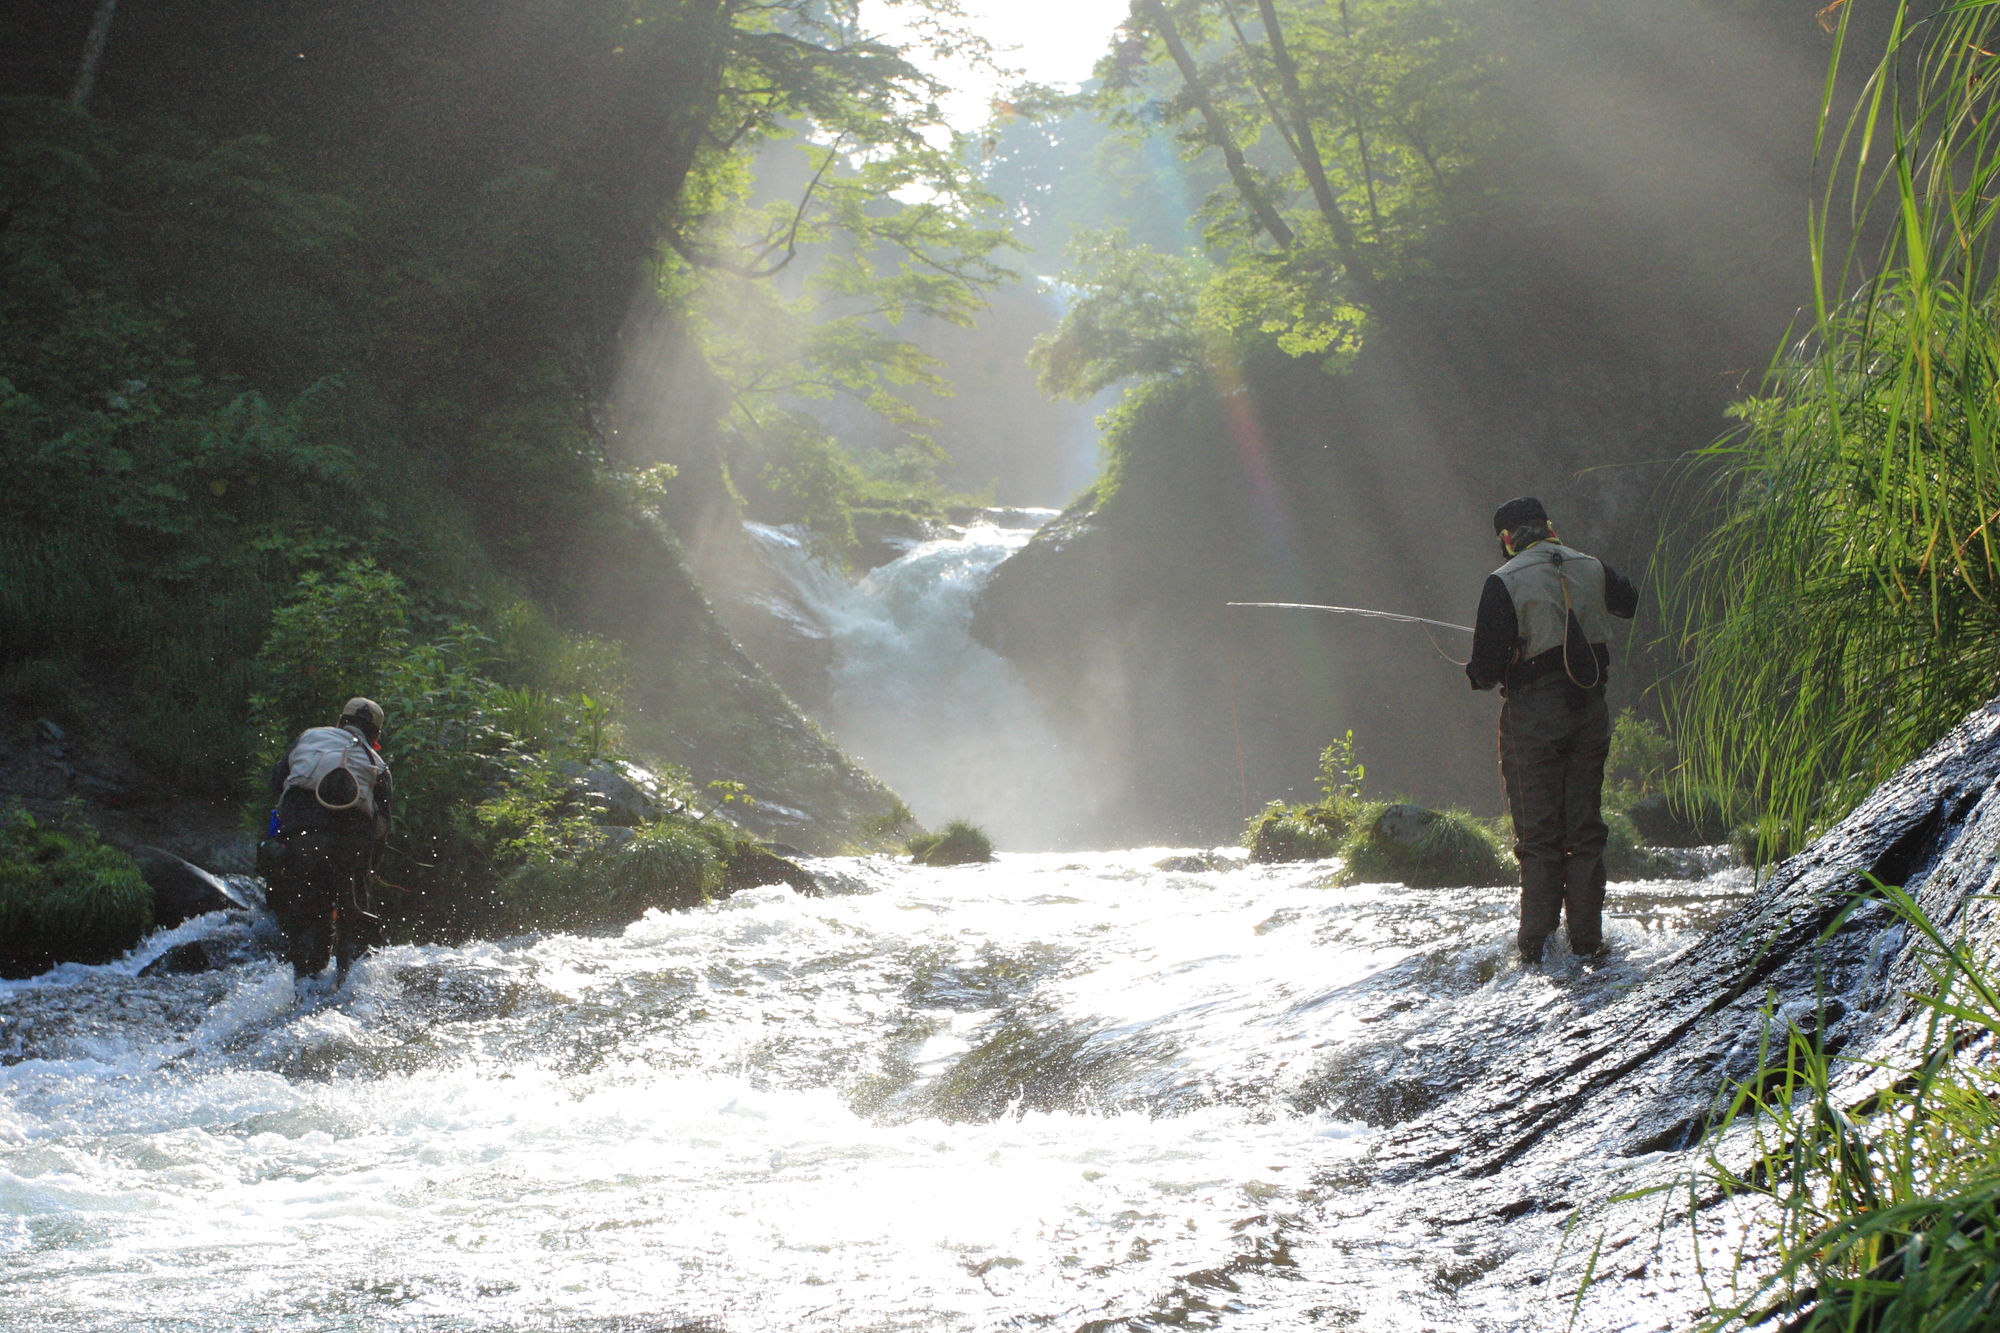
{"points": [[937, 715], [1058, 1091]]}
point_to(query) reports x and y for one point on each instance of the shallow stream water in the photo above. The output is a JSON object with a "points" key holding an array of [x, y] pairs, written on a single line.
{"points": [[1059, 1091]]}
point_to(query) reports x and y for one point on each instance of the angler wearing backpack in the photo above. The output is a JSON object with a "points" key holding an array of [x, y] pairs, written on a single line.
{"points": [[1543, 636], [332, 822]]}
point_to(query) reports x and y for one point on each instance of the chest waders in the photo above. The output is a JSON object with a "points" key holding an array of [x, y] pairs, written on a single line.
{"points": [[1552, 754]]}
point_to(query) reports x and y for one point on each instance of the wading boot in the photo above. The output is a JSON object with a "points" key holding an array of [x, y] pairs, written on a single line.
{"points": [[1583, 904], [1541, 906]]}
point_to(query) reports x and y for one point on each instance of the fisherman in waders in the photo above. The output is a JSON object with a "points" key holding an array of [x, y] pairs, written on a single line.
{"points": [[332, 822], [1544, 621]]}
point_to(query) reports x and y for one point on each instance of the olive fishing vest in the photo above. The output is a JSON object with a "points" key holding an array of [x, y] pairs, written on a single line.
{"points": [[337, 767], [1535, 579]]}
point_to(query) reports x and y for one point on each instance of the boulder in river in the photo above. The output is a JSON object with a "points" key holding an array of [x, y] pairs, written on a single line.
{"points": [[752, 866], [182, 889], [884, 535], [622, 795], [184, 959], [1198, 863], [958, 843]]}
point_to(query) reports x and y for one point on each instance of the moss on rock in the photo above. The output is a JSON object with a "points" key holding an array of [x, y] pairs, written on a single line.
{"points": [[1409, 844], [65, 897]]}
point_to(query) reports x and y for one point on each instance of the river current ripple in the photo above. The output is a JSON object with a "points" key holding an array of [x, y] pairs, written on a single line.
{"points": [[1059, 1091]]}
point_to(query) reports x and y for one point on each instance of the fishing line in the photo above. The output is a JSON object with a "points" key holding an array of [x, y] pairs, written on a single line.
{"points": [[1242, 774], [1374, 615]]}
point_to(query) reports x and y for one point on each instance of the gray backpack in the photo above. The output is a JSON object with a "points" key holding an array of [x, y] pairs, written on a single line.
{"points": [[337, 767]]}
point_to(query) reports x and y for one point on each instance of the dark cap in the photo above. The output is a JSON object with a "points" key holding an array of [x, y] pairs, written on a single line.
{"points": [[1517, 513], [365, 711]]}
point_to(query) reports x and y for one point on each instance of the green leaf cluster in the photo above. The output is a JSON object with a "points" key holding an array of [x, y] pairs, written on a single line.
{"points": [[796, 293]]}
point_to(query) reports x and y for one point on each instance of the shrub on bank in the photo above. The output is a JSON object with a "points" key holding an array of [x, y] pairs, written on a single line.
{"points": [[65, 897], [668, 865], [512, 813], [958, 843]]}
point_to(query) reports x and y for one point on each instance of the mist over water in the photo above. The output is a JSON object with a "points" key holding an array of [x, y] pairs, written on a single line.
{"points": [[1054, 1090], [938, 716]]}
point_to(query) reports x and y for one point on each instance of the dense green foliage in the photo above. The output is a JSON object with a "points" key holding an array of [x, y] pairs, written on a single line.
{"points": [[304, 368], [829, 207], [1347, 134], [495, 825], [65, 897], [958, 843], [1883, 1215], [667, 865], [1838, 595]]}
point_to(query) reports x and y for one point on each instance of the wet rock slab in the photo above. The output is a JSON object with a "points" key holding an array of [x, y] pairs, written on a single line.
{"points": [[1544, 1134]]}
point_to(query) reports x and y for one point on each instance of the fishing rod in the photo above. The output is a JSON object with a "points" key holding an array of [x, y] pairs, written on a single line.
{"points": [[1242, 776], [1360, 611]]}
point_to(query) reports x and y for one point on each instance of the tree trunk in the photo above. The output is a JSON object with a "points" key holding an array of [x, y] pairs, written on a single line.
{"points": [[1307, 149], [1218, 132], [93, 52]]}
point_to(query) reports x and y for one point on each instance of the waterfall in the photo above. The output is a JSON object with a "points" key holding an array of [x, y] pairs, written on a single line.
{"points": [[940, 717]]}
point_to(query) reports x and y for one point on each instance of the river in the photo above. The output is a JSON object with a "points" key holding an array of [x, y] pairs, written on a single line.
{"points": [[1067, 1091]]}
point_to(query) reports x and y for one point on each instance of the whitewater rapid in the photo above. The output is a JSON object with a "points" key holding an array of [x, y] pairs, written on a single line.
{"points": [[1062, 1091]]}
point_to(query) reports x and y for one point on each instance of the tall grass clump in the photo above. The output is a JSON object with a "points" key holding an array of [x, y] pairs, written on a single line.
{"points": [[1884, 1209], [1842, 612], [1444, 849]]}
